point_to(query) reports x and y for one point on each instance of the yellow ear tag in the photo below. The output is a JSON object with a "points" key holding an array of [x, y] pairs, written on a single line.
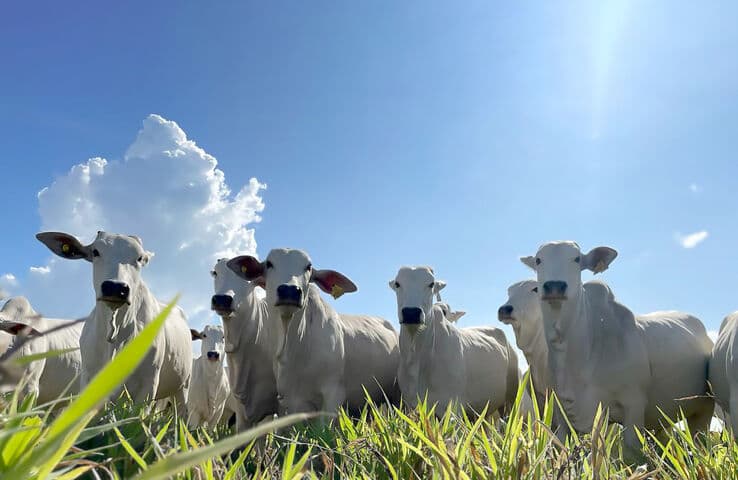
{"points": [[244, 269], [66, 248], [336, 291]]}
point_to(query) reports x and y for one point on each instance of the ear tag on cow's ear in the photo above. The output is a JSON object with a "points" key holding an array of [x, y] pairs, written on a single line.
{"points": [[336, 291], [600, 267], [244, 269], [66, 248]]}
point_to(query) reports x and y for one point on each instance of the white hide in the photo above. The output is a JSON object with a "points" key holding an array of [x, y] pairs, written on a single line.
{"points": [[475, 366], [323, 359], [52, 377], [723, 374], [166, 369], [250, 345], [599, 352], [209, 387]]}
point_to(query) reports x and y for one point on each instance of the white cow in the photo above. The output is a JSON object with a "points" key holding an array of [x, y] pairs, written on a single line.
{"points": [[724, 371], [475, 366], [522, 311], [250, 345], [52, 377], [324, 359], [600, 353], [5, 340], [209, 388], [124, 306], [452, 316]]}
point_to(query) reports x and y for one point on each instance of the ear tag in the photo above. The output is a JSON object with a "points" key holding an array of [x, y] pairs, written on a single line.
{"points": [[336, 291], [244, 269], [600, 267], [66, 248]]}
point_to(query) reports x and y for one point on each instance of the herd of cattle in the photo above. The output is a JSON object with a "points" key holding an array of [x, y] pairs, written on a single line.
{"points": [[288, 350]]}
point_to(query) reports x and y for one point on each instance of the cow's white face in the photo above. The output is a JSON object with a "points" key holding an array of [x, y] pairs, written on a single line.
{"points": [[559, 267], [286, 275], [116, 262], [415, 287], [213, 343], [523, 309], [229, 290]]}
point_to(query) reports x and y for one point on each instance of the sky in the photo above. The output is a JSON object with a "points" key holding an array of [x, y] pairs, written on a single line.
{"points": [[375, 135]]}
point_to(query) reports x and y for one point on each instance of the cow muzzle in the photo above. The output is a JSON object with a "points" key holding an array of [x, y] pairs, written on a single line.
{"points": [[505, 314], [554, 291], [411, 316], [213, 356], [289, 296], [115, 294], [222, 304]]}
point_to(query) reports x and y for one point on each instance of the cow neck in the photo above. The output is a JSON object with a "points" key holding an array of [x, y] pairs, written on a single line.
{"points": [[417, 340], [127, 321], [535, 349], [255, 328], [297, 332]]}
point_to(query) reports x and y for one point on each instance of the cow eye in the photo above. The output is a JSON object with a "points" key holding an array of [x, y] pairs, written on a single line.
{"points": [[95, 253], [213, 273], [308, 268], [538, 261], [204, 336], [432, 284], [269, 264], [397, 285], [535, 289], [577, 260], [140, 259]]}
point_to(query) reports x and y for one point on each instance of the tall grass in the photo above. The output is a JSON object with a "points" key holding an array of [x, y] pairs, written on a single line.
{"points": [[92, 438]]}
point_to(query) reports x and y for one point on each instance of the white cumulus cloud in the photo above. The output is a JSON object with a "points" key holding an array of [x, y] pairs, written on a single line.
{"points": [[693, 239], [713, 334], [694, 188], [168, 191]]}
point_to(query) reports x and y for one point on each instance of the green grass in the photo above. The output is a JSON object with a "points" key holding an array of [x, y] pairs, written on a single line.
{"points": [[87, 439]]}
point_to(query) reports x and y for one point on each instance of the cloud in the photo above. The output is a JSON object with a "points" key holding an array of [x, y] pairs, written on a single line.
{"points": [[8, 283], [713, 334], [694, 188], [168, 191], [691, 240]]}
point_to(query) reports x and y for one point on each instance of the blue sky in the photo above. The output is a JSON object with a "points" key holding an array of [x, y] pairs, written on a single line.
{"points": [[460, 135]]}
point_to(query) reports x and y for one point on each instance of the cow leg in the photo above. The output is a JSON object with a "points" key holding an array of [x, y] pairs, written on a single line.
{"points": [[699, 421], [180, 402], [634, 417], [333, 398], [733, 410]]}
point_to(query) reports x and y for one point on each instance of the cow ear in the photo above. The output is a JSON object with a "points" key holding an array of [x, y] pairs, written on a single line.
{"points": [[332, 282], [14, 328], [529, 261], [146, 258], [454, 316], [438, 285], [246, 267], [260, 281], [65, 245], [196, 335], [598, 259]]}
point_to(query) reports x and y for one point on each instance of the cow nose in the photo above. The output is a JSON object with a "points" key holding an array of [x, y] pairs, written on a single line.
{"points": [[222, 303], [213, 356], [411, 315], [289, 294], [112, 290], [554, 289], [505, 311]]}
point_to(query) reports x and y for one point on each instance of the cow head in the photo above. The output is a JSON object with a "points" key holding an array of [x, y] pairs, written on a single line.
{"points": [[17, 317], [451, 315], [229, 289], [523, 309], [116, 262], [286, 275], [415, 287], [559, 267], [213, 345]]}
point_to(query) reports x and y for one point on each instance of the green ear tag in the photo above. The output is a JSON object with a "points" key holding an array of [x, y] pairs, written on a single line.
{"points": [[336, 291]]}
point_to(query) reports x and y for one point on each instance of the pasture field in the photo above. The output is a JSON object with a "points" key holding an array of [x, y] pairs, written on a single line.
{"points": [[83, 439]]}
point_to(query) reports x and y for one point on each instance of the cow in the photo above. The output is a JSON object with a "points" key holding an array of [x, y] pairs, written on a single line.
{"points": [[723, 374], [475, 366], [599, 353], [323, 360], [47, 379], [522, 312], [250, 345], [124, 306], [451, 315], [209, 388]]}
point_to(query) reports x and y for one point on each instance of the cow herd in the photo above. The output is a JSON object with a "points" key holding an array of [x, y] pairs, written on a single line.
{"points": [[289, 351]]}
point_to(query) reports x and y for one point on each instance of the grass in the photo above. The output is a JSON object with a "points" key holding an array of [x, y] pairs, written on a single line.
{"points": [[89, 439]]}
